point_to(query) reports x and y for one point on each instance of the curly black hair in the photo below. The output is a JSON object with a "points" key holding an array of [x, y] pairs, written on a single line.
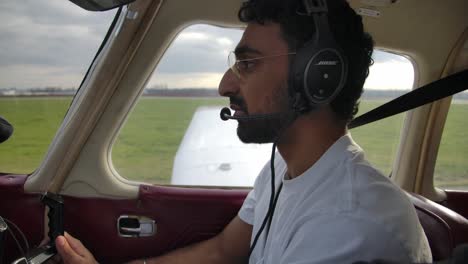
{"points": [[348, 32]]}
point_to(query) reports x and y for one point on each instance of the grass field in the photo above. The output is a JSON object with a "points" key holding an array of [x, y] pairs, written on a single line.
{"points": [[147, 144]]}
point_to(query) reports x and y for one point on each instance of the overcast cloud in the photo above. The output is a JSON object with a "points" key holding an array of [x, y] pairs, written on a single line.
{"points": [[47, 42], [52, 42]]}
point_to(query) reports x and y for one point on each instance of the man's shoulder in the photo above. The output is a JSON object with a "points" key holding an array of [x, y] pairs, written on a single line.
{"points": [[357, 190], [364, 237], [366, 200]]}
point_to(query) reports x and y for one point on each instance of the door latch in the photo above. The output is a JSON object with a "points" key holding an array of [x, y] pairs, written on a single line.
{"points": [[135, 226]]}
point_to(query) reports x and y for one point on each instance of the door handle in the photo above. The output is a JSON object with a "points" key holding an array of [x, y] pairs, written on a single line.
{"points": [[135, 226], [131, 230]]}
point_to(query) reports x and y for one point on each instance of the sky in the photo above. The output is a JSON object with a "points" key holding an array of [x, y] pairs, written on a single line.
{"points": [[51, 43]]}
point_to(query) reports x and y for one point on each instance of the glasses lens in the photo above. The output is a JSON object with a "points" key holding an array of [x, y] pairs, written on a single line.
{"points": [[232, 63]]}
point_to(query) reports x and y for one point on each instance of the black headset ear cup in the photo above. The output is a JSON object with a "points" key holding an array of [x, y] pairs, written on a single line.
{"points": [[324, 76], [319, 73]]}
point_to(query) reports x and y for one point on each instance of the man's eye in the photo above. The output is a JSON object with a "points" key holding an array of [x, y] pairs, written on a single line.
{"points": [[245, 65]]}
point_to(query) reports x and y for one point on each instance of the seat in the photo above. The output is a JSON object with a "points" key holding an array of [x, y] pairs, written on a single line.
{"points": [[444, 228]]}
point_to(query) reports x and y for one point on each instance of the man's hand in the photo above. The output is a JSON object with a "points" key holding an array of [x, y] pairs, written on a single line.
{"points": [[72, 251]]}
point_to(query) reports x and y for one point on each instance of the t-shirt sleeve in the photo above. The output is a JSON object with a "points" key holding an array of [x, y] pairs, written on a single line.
{"points": [[247, 211], [339, 239]]}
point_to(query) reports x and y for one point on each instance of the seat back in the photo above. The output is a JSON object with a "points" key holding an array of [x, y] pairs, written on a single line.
{"points": [[444, 228]]}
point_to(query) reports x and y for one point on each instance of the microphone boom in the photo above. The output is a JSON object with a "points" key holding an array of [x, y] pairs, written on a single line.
{"points": [[225, 115]]}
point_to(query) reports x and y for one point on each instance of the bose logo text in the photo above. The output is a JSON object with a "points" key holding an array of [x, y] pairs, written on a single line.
{"points": [[330, 63]]}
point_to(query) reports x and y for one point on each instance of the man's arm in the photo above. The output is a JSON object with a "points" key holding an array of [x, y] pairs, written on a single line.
{"points": [[230, 246]]}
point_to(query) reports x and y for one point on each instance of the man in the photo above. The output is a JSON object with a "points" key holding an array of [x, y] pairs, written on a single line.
{"points": [[329, 205]]}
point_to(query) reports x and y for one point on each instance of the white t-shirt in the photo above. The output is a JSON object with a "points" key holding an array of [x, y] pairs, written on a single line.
{"points": [[340, 210]]}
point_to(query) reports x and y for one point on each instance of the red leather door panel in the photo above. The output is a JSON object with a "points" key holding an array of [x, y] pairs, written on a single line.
{"points": [[182, 215], [24, 210]]}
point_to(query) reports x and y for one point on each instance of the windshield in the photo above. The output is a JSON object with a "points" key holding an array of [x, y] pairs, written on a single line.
{"points": [[46, 48]]}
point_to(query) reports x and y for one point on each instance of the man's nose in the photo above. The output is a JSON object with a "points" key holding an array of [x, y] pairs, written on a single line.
{"points": [[229, 84]]}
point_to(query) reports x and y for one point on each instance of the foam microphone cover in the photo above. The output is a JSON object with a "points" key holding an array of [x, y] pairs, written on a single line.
{"points": [[6, 129], [225, 112]]}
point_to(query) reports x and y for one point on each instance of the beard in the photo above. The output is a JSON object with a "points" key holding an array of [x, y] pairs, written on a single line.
{"points": [[261, 130], [268, 129]]}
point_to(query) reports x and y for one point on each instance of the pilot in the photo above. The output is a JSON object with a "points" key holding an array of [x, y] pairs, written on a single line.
{"points": [[295, 79]]}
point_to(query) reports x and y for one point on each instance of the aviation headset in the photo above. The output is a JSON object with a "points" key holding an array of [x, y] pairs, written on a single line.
{"points": [[319, 70], [317, 75]]}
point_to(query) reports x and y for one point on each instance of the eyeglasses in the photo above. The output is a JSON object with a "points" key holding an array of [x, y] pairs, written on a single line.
{"points": [[239, 67]]}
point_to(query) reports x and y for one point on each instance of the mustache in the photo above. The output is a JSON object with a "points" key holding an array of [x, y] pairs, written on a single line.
{"points": [[239, 101]]}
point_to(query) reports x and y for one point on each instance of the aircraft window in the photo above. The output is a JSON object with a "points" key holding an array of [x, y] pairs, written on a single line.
{"points": [[45, 49], [175, 136], [181, 92], [451, 170], [391, 75]]}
